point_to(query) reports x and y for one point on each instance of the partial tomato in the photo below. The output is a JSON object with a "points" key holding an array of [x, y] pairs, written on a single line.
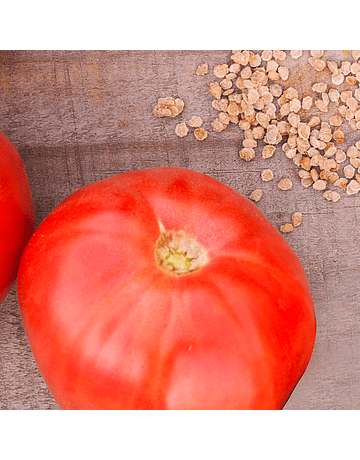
{"points": [[16, 213], [165, 289]]}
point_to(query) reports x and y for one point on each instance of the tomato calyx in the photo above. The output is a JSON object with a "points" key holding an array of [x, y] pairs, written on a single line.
{"points": [[178, 253]]}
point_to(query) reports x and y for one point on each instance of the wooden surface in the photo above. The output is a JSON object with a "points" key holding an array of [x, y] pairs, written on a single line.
{"points": [[81, 116]]}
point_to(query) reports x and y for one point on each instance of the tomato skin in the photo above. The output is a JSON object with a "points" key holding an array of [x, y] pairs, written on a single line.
{"points": [[16, 211], [110, 330]]}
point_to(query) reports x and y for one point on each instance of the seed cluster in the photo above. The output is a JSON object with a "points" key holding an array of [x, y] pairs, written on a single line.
{"points": [[253, 92]]}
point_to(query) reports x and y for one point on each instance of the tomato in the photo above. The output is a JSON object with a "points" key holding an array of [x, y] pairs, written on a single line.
{"points": [[16, 213], [165, 289]]}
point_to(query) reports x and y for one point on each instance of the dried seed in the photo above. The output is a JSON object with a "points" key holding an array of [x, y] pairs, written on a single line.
{"points": [[200, 134], [331, 195], [319, 87], [226, 84], [280, 55], [321, 105], [314, 174], [340, 156], [284, 73], [305, 163], [353, 187], [320, 184], [220, 104], [203, 69], [255, 60], [355, 162], [215, 90], [195, 122], [286, 228], [181, 130], [267, 175], [224, 118], [271, 65], [244, 124], [355, 68], [291, 153], [221, 70], [338, 136], [273, 75], [332, 65], [351, 80], [258, 132], [345, 67], [256, 195], [337, 79], [353, 152], [168, 107], [296, 219], [268, 151], [247, 153], [342, 182], [296, 54], [285, 184], [276, 90], [349, 171], [266, 55], [316, 54], [307, 102], [295, 105], [317, 64], [217, 125], [334, 95], [306, 182], [336, 120], [291, 93], [253, 96], [355, 54], [314, 121], [294, 119], [249, 143], [303, 130]]}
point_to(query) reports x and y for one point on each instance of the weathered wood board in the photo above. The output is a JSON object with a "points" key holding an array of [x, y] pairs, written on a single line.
{"points": [[81, 116]]}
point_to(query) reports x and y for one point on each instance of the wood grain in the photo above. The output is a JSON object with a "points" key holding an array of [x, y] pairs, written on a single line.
{"points": [[81, 116]]}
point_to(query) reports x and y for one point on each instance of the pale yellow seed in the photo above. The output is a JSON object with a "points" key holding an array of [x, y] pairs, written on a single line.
{"points": [[342, 182], [338, 136], [181, 130], [307, 102], [284, 73], [256, 195], [337, 79], [218, 126], [319, 87], [296, 219], [221, 70], [247, 153], [336, 120], [280, 55], [203, 69], [296, 54], [267, 175], [286, 228], [349, 171], [320, 184], [215, 90], [268, 151], [195, 122], [285, 184], [353, 187], [200, 134]]}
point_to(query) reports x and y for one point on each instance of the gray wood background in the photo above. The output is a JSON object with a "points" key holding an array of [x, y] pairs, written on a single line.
{"points": [[81, 116]]}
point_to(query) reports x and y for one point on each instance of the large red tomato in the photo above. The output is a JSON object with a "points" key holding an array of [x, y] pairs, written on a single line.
{"points": [[16, 213], [165, 289]]}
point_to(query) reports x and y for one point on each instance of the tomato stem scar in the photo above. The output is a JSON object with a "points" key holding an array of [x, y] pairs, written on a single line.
{"points": [[178, 253]]}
